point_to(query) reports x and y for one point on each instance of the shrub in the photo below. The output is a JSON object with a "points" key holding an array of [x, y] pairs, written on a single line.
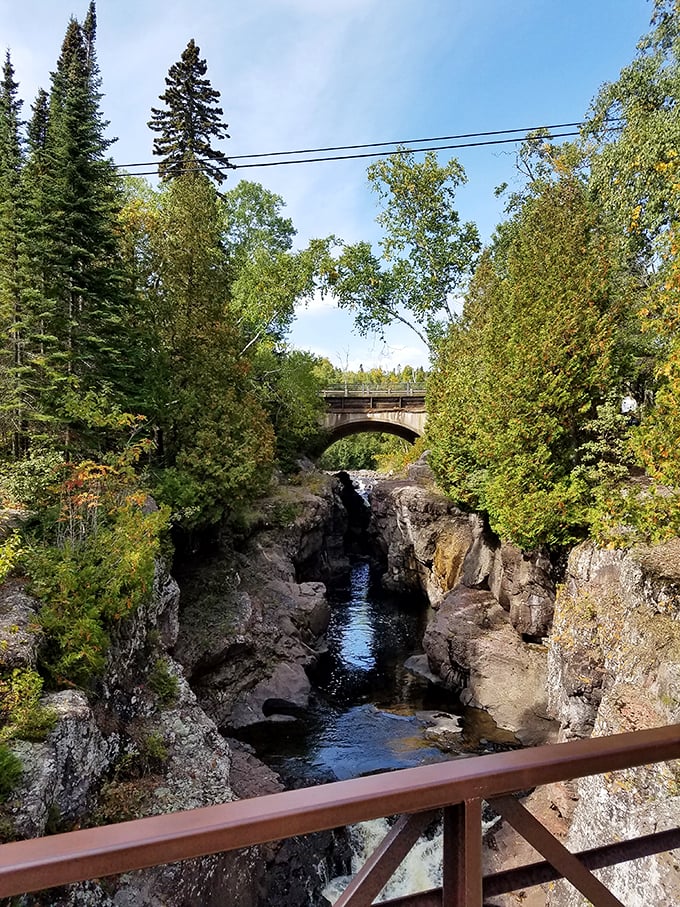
{"points": [[99, 571], [163, 683], [10, 772], [10, 556], [24, 483], [20, 707]]}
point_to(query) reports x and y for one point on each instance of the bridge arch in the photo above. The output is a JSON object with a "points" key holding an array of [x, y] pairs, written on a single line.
{"points": [[357, 426], [350, 411]]}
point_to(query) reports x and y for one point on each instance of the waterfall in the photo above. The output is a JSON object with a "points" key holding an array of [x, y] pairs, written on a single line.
{"points": [[420, 869]]}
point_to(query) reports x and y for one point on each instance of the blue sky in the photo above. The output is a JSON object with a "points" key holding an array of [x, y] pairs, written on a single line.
{"points": [[306, 73]]}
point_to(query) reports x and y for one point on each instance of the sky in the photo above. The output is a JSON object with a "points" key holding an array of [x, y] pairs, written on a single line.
{"points": [[310, 73]]}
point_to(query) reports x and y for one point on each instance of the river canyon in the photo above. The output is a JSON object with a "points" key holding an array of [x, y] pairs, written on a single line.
{"points": [[327, 641]]}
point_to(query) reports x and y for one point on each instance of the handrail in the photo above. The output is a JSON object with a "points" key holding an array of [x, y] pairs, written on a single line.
{"points": [[92, 853]]}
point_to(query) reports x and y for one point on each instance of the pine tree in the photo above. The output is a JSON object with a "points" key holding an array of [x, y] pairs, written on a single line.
{"points": [[190, 121], [11, 228]]}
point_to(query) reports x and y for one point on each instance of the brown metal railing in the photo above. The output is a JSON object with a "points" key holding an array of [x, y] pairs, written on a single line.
{"points": [[458, 787]]}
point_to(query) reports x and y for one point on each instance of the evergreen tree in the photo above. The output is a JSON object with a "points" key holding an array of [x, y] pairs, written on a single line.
{"points": [[84, 306], [11, 228], [518, 380], [190, 121]]}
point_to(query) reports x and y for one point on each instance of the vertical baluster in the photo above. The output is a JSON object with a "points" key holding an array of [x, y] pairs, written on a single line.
{"points": [[462, 886]]}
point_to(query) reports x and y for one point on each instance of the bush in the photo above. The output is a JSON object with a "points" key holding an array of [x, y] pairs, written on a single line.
{"points": [[24, 483], [10, 772], [20, 707], [10, 556], [88, 585], [164, 684]]}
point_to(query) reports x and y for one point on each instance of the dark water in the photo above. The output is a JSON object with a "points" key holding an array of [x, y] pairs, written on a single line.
{"points": [[363, 716]]}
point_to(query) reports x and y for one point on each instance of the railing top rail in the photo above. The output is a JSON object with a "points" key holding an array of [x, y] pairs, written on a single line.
{"points": [[75, 856]]}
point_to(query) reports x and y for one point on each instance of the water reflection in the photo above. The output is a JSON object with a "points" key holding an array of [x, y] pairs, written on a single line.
{"points": [[352, 633], [362, 717]]}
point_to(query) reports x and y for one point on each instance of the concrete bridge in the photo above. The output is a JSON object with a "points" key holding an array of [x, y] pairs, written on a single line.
{"points": [[397, 411]]}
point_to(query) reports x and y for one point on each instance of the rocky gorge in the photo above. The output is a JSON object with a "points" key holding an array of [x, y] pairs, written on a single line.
{"points": [[551, 650]]}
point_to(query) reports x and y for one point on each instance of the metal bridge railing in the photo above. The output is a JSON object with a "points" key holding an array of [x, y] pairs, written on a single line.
{"points": [[403, 388], [458, 787]]}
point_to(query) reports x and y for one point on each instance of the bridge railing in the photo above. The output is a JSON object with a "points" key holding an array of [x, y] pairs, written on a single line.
{"points": [[404, 388], [458, 787]]}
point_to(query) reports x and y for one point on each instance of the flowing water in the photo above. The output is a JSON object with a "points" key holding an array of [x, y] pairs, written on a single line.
{"points": [[370, 714], [364, 715]]}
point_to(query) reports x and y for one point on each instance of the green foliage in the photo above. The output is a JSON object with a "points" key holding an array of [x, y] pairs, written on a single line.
{"points": [[645, 99], [366, 450], [163, 683], [428, 253], [10, 772], [517, 383], [10, 556], [153, 752], [290, 391], [23, 716], [649, 508], [25, 482], [399, 378], [97, 567]]}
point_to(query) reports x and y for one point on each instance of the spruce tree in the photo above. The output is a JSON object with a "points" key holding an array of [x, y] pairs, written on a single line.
{"points": [[84, 305], [11, 229], [190, 120]]}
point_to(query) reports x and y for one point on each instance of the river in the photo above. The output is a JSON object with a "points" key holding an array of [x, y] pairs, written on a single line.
{"points": [[370, 714]]}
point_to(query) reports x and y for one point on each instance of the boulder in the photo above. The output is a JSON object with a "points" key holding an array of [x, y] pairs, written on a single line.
{"points": [[286, 690]]}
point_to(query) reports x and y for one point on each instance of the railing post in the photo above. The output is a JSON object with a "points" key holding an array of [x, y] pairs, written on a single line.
{"points": [[462, 869]]}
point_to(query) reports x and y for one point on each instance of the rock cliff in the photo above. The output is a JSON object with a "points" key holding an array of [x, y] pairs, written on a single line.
{"points": [[492, 603], [250, 622], [143, 743], [614, 666]]}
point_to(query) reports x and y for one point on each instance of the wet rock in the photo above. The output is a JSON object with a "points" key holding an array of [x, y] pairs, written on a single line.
{"points": [[446, 732], [419, 664], [286, 690]]}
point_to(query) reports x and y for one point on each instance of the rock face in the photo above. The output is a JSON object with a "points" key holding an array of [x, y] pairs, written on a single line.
{"points": [[491, 601], [127, 753], [145, 745], [524, 584], [431, 545], [476, 650], [18, 639], [428, 543], [249, 626], [614, 666]]}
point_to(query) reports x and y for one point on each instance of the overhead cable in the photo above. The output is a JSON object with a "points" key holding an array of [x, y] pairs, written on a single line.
{"points": [[347, 157], [355, 147]]}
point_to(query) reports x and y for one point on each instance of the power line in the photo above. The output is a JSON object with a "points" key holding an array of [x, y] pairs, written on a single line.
{"points": [[347, 157], [438, 138]]}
